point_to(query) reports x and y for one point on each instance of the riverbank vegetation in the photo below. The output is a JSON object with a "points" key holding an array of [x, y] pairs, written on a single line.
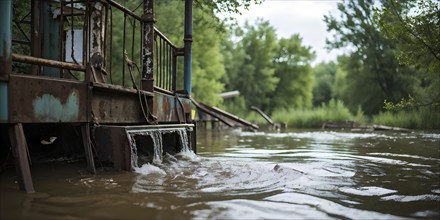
{"points": [[334, 111], [390, 76]]}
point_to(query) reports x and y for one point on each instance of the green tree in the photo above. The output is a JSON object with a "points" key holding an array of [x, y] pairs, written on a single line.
{"points": [[292, 67], [325, 76], [254, 71], [414, 25], [208, 65], [373, 73]]}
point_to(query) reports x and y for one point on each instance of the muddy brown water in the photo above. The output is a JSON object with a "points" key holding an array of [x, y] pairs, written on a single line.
{"points": [[245, 175]]}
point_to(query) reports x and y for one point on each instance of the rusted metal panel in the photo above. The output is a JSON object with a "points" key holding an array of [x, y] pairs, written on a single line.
{"points": [[169, 108], [110, 105], [122, 106], [42, 99], [112, 146]]}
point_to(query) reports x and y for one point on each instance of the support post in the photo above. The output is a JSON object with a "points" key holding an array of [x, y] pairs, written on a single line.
{"points": [[85, 133], [20, 153], [36, 33], [148, 45], [187, 62], [5, 55]]}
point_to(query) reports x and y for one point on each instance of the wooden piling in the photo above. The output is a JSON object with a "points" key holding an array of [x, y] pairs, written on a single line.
{"points": [[20, 152], [85, 133]]}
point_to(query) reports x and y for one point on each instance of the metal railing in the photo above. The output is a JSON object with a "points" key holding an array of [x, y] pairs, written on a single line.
{"points": [[106, 35], [165, 62]]}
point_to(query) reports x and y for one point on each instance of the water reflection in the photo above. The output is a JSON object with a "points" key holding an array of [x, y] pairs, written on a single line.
{"points": [[298, 174]]}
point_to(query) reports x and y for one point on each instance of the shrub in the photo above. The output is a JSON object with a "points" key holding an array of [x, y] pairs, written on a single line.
{"points": [[413, 119], [334, 111]]}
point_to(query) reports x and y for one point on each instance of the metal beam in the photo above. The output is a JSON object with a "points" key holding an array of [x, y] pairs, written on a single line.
{"points": [[187, 71]]}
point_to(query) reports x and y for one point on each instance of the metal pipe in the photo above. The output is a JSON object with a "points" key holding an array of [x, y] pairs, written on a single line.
{"points": [[5, 55], [188, 51], [46, 62]]}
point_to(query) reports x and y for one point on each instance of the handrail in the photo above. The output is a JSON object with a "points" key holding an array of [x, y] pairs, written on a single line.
{"points": [[165, 62], [47, 62], [122, 8], [164, 37]]}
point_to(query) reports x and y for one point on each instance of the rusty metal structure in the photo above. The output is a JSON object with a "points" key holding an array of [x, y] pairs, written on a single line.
{"points": [[65, 73]]}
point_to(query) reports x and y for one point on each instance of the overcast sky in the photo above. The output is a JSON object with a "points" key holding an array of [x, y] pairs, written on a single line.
{"points": [[297, 16]]}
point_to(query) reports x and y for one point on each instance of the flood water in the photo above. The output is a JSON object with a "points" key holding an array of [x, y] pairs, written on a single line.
{"points": [[245, 175]]}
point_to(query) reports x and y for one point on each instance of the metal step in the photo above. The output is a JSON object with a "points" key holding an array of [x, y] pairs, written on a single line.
{"points": [[119, 145]]}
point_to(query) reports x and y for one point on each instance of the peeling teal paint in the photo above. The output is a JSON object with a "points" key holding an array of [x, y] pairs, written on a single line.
{"points": [[48, 108], [3, 101], [5, 28]]}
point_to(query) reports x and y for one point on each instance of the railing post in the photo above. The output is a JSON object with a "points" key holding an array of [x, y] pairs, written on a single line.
{"points": [[97, 27], [174, 76], [148, 45], [188, 52], [5, 55]]}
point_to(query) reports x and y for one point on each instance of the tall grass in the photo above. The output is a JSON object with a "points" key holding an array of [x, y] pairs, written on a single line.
{"points": [[334, 111], [414, 119], [254, 117]]}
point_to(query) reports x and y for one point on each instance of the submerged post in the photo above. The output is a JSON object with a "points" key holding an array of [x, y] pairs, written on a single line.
{"points": [[148, 45], [5, 55], [21, 155], [188, 51]]}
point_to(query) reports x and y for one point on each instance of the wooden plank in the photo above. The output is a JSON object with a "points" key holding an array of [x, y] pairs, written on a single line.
{"points": [[85, 131], [20, 152]]}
